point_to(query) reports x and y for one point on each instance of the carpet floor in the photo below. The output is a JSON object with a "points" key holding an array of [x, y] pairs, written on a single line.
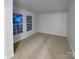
{"points": [[43, 46]]}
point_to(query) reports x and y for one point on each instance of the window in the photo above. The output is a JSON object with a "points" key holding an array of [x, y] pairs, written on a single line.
{"points": [[29, 23], [17, 23]]}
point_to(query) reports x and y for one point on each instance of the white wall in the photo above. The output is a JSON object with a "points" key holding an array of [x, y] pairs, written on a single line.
{"points": [[8, 46], [25, 33], [52, 23], [71, 25]]}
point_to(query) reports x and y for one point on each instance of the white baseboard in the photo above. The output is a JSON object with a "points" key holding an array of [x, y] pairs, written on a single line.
{"points": [[23, 37], [53, 34]]}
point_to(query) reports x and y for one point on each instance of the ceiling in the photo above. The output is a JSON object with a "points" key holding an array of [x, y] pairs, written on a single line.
{"points": [[42, 6]]}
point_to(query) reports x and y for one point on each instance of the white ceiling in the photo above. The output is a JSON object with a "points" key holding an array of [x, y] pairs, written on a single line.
{"points": [[42, 6]]}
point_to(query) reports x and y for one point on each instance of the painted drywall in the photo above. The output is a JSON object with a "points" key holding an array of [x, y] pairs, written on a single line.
{"points": [[8, 46], [25, 34], [52, 23], [71, 25]]}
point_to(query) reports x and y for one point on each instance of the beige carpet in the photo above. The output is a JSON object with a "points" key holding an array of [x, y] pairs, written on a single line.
{"points": [[43, 46]]}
